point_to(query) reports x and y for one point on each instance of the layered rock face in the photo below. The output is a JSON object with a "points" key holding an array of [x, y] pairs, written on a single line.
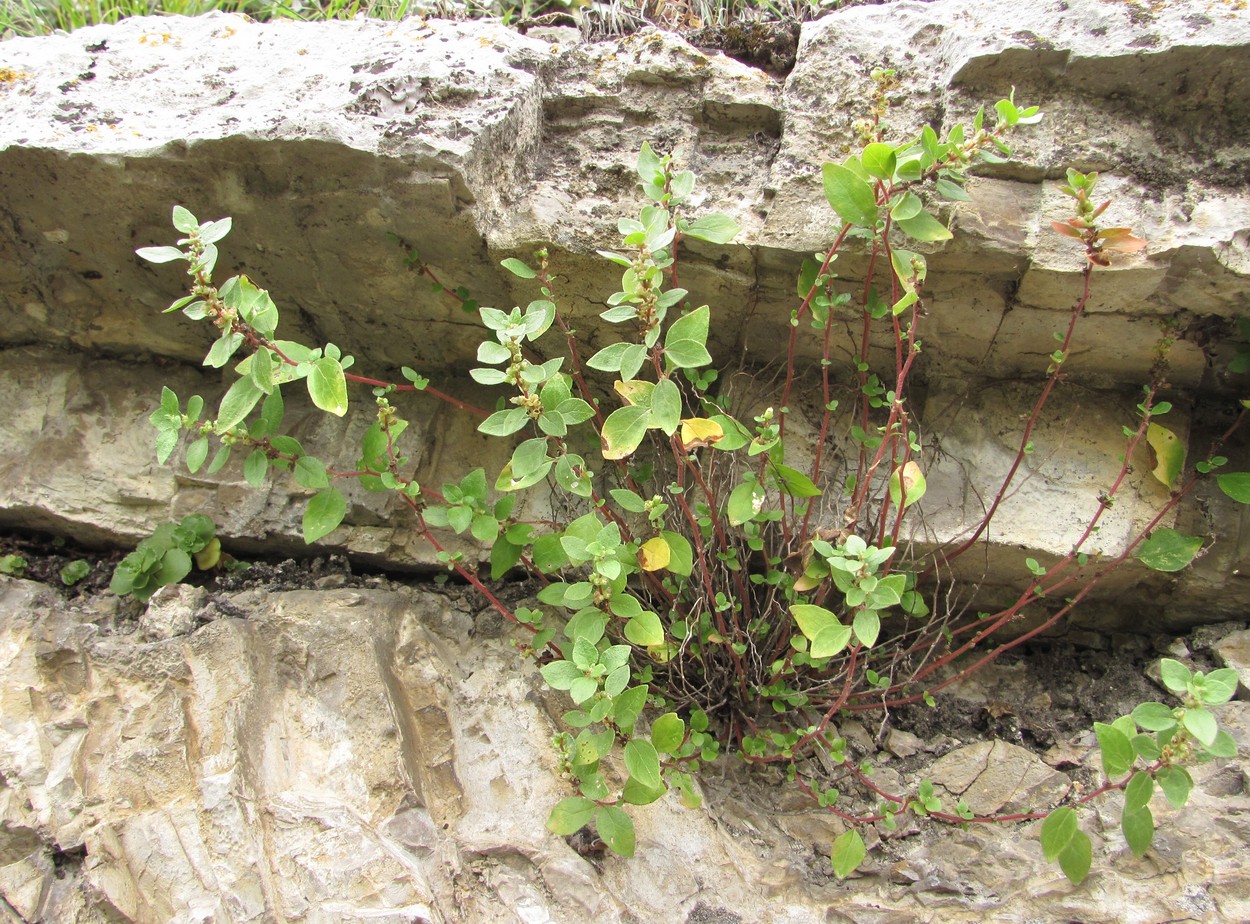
{"points": [[473, 143], [375, 755], [361, 755]]}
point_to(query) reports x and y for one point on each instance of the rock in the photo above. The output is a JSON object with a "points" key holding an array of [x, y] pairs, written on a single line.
{"points": [[998, 777], [354, 755], [473, 143], [1234, 651], [903, 744], [172, 611]]}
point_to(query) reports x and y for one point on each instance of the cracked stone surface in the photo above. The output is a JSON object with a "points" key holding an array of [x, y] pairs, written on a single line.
{"points": [[998, 777], [361, 754]]}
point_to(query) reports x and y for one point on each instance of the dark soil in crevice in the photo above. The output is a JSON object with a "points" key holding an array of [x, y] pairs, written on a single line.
{"points": [[1056, 692]]}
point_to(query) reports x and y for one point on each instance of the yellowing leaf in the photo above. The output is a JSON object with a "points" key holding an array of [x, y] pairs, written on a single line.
{"points": [[635, 392], [907, 484], [654, 554], [1169, 454], [699, 431]]}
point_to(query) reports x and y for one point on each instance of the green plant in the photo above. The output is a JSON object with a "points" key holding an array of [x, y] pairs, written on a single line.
{"points": [[166, 557], [75, 571], [12, 565], [1147, 748], [728, 582]]}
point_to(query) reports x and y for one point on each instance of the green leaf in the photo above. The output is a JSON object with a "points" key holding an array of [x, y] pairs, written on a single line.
{"points": [[1117, 750], [548, 554], [693, 325], [645, 630], [311, 473], [1146, 747], [822, 628], [220, 458], [867, 626], [906, 265], [184, 221], [560, 675], [951, 190], [1236, 485], [1138, 826], [1219, 686], [582, 689], [635, 793], [686, 354], [324, 513], [907, 206], [666, 406], [643, 763], [74, 572], [628, 707], [907, 484], [795, 483], [1063, 840], [616, 829], [238, 402], [742, 504], [517, 268], [504, 556], [623, 430], [166, 443], [879, 160], [175, 565], [1201, 724], [848, 852], [570, 815], [1138, 792], [504, 423], [680, 554], [1223, 746], [161, 254], [197, 452], [327, 387], [717, 229], [924, 227], [1175, 675], [1176, 784], [851, 197], [1167, 550], [1154, 717], [668, 732], [650, 166], [222, 349], [628, 500]]}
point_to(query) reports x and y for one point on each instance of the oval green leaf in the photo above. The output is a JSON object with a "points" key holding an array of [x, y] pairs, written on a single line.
{"points": [[324, 513], [1167, 550], [327, 387], [851, 197]]}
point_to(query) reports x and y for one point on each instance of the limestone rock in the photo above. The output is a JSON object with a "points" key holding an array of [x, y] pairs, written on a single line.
{"points": [[997, 776], [355, 755], [1234, 651]]}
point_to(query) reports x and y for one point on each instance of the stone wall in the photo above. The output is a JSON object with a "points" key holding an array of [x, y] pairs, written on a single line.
{"points": [[379, 753], [474, 143]]}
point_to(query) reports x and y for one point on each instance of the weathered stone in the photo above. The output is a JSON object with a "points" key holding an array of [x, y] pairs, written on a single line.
{"points": [[356, 755], [997, 776], [1234, 651], [81, 460], [172, 611]]}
